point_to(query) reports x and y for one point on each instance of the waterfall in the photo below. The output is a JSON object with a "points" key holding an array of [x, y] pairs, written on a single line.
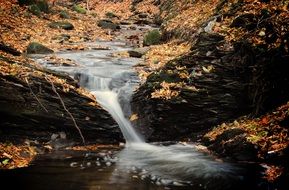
{"points": [[109, 100], [112, 80]]}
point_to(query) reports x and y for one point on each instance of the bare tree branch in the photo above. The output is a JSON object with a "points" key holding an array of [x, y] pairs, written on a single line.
{"points": [[72, 118], [35, 95]]}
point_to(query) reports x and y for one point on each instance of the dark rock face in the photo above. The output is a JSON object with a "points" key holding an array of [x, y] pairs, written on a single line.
{"points": [[22, 115], [37, 48], [9, 49], [221, 95], [234, 87]]}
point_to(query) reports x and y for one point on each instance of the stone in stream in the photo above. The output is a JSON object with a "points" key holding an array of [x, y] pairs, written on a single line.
{"points": [[37, 48], [73, 164], [107, 24], [138, 52], [143, 22]]}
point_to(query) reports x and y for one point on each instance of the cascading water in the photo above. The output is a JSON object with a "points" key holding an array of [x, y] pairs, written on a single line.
{"points": [[109, 100], [112, 79], [108, 80]]}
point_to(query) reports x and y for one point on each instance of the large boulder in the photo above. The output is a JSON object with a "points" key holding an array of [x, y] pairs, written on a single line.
{"points": [[221, 85], [31, 109], [216, 96], [37, 48], [38, 7]]}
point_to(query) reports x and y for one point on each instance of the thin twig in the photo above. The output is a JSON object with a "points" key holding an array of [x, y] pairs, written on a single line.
{"points": [[35, 95], [72, 118], [87, 5]]}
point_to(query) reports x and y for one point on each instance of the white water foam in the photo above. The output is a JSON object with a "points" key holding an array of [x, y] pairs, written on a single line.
{"points": [[109, 101]]}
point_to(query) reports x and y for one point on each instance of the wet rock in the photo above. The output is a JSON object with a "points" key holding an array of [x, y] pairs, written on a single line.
{"points": [[248, 21], [138, 52], [108, 24], [62, 25], [193, 112], [37, 48], [123, 22], [132, 27], [26, 117], [143, 22], [233, 143]]}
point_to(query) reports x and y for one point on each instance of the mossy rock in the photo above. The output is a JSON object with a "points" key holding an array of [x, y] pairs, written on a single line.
{"points": [[108, 24], [79, 9], [110, 15], [152, 38], [39, 7], [43, 6], [63, 25], [37, 48], [61, 37], [34, 9], [64, 14]]}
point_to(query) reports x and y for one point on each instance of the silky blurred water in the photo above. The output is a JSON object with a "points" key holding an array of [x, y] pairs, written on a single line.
{"points": [[138, 165]]}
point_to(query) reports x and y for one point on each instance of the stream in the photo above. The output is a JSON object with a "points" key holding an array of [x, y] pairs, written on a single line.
{"points": [[139, 165]]}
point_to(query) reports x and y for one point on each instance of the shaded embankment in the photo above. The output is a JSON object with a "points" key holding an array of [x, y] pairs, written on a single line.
{"points": [[30, 108], [237, 66]]}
